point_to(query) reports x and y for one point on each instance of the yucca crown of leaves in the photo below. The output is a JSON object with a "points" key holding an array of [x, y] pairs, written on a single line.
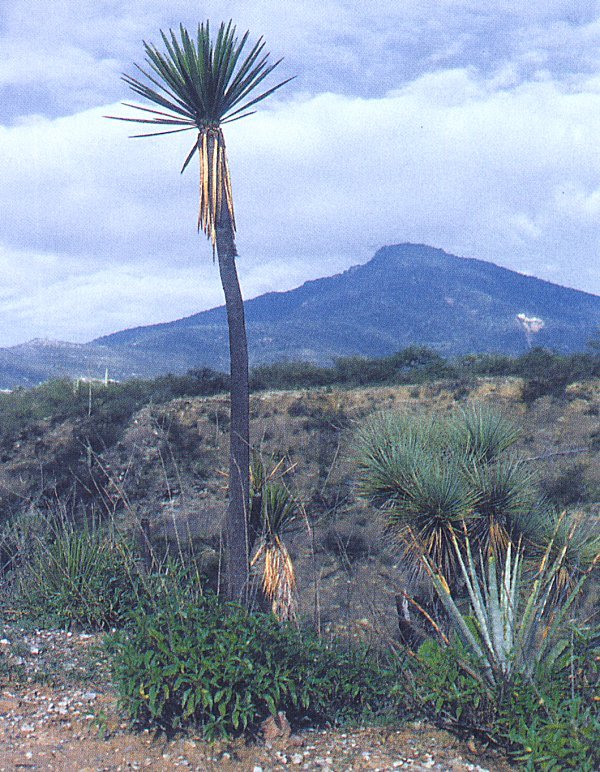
{"points": [[202, 84]]}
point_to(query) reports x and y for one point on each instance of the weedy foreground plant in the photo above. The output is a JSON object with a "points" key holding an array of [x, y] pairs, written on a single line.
{"points": [[65, 575], [218, 668]]}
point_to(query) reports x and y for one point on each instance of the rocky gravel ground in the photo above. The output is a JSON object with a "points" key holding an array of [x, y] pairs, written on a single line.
{"points": [[58, 711]]}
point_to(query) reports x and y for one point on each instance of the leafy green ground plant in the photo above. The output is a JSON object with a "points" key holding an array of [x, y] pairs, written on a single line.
{"points": [[222, 670]]}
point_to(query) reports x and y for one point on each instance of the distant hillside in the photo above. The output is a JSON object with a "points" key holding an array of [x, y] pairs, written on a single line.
{"points": [[407, 294]]}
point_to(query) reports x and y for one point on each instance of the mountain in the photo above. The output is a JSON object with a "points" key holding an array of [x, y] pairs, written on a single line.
{"points": [[407, 294]]}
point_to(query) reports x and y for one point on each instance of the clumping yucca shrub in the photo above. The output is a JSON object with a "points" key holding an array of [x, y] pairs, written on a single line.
{"points": [[514, 667], [429, 475], [222, 670], [433, 476]]}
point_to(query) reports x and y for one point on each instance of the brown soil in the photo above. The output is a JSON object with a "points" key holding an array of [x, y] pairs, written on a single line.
{"points": [[58, 711]]}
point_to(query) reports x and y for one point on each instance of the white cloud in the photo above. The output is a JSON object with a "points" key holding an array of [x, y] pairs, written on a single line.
{"points": [[470, 126], [68, 58], [54, 296]]}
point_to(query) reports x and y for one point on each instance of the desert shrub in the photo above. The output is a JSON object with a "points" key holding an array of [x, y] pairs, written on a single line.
{"points": [[219, 418], [220, 669], [298, 408], [547, 366], [546, 373], [201, 381], [105, 408], [486, 364], [358, 371], [290, 375], [416, 364], [552, 385]]}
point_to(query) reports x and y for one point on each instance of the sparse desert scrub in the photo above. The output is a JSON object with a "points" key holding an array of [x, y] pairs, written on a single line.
{"points": [[179, 490], [167, 467]]}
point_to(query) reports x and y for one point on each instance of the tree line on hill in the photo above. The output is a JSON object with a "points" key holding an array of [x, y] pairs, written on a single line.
{"points": [[109, 406]]}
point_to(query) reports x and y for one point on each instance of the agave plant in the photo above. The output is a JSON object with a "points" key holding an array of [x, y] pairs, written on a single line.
{"points": [[515, 631], [200, 84]]}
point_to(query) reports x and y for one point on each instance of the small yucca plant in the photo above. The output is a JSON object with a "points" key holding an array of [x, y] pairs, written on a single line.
{"points": [[278, 512]]}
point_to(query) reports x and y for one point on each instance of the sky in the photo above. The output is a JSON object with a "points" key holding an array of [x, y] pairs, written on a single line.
{"points": [[468, 125]]}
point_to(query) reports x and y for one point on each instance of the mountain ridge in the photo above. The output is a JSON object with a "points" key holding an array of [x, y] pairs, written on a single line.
{"points": [[407, 294]]}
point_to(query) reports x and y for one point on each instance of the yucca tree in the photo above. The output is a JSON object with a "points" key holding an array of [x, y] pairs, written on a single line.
{"points": [[200, 84]]}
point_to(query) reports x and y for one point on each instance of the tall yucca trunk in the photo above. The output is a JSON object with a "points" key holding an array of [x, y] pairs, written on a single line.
{"points": [[236, 524], [201, 84]]}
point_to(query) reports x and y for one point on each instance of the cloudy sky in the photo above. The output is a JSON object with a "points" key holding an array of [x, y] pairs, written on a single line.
{"points": [[470, 125]]}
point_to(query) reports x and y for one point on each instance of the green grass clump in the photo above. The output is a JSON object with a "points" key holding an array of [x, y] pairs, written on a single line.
{"points": [[222, 670], [84, 577]]}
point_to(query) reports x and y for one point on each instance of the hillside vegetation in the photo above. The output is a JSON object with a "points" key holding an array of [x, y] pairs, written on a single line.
{"points": [[143, 464]]}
